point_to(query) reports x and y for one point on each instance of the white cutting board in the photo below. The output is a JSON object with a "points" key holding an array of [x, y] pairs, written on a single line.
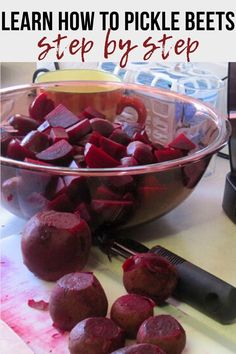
{"points": [[18, 285]]}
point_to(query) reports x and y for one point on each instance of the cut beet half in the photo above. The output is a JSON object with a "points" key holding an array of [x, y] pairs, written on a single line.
{"points": [[58, 152], [61, 117], [168, 154], [5, 139], [141, 152], [61, 203], [35, 141], [112, 211], [182, 142], [40, 107], [58, 133], [18, 152], [77, 188], [120, 184], [128, 161], [78, 130], [114, 149], [102, 126], [105, 193], [90, 112], [23, 124], [97, 158], [120, 137]]}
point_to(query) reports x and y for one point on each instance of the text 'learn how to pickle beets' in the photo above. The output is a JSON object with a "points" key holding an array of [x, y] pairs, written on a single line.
{"points": [[54, 136]]}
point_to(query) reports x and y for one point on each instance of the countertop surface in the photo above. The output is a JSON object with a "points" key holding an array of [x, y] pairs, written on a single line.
{"points": [[198, 230]]}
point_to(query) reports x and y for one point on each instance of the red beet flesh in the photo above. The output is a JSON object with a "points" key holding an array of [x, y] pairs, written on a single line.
{"points": [[40, 107], [23, 124], [56, 153], [129, 311], [76, 296], [61, 117], [144, 348], [55, 243], [150, 275], [164, 331], [95, 336]]}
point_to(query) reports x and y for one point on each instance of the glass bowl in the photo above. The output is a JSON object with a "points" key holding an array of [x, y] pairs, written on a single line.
{"points": [[119, 196]]}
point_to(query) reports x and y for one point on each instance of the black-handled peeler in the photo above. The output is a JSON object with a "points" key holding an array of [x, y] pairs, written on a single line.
{"points": [[195, 286]]}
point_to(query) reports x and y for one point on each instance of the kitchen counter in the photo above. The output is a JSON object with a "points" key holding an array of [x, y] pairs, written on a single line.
{"points": [[198, 230]]}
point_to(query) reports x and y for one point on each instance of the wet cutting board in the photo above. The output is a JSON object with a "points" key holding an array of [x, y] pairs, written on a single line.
{"points": [[204, 335]]}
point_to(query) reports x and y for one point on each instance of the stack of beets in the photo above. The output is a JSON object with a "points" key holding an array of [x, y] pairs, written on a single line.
{"points": [[54, 136]]}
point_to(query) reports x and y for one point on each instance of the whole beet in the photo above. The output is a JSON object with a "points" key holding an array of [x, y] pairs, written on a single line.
{"points": [[129, 311], [55, 243], [96, 335], [150, 275], [140, 349], [164, 331], [75, 297]]}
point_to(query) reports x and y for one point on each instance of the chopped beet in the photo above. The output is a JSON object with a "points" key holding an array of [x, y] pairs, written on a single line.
{"points": [[128, 161], [37, 162], [58, 152], [23, 124], [150, 275], [58, 133], [112, 211], [83, 209], [61, 117], [114, 149], [90, 112], [61, 203], [94, 138], [35, 141], [142, 136], [96, 335], [102, 126], [18, 152], [181, 142], [105, 193], [167, 154], [96, 158], [77, 188], [40, 107], [38, 305], [141, 152], [164, 331], [120, 184], [120, 137], [5, 140], [129, 311], [79, 130]]}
